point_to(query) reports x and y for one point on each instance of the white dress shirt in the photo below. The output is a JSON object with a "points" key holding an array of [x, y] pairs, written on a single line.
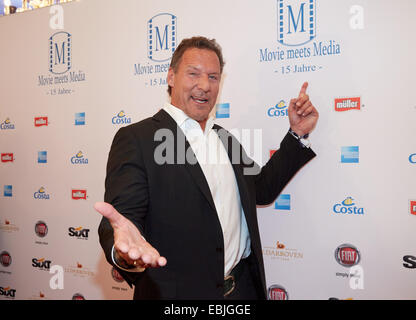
{"points": [[216, 166]]}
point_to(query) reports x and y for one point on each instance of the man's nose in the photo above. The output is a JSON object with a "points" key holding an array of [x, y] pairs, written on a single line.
{"points": [[203, 83]]}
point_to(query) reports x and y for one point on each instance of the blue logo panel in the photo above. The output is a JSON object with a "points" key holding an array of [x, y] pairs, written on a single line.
{"points": [[350, 154], [80, 119], [222, 110], [282, 202], [8, 191]]}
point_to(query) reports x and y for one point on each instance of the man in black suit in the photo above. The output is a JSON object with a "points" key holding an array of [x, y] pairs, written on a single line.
{"points": [[176, 225]]}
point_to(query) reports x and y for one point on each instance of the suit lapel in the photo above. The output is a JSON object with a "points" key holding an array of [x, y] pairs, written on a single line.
{"points": [[166, 121]]}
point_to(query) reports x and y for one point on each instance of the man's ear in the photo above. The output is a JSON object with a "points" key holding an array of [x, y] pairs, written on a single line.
{"points": [[171, 77]]}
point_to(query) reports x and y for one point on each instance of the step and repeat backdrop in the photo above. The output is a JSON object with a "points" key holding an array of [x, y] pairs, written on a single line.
{"points": [[73, 74]]}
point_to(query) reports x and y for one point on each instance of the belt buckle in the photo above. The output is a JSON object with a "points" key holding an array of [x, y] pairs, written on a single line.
{"points": [[229, 277]]}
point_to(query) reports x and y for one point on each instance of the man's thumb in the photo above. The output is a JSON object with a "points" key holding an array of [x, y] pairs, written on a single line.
{"points": [[108, 211]]}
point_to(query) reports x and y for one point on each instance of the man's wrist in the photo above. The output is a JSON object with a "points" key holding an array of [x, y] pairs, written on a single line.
{"points": [[303, 140], [122, 264]]}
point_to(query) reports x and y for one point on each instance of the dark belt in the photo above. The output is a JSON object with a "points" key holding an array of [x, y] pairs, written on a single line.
{"points": [[234, 276]]}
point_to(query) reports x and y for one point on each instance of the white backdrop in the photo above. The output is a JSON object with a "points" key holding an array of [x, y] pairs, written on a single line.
{"points": [[101, 67]]}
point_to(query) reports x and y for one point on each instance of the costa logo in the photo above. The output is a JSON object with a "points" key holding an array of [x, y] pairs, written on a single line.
{"points": [[116, 275], [41, 121], [41, 229], [7, 157], [347, 255], [79, 194], [5, 259], [345, 104], [276, 292]]}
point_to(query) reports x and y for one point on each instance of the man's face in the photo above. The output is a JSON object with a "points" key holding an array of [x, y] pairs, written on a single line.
{"points": [[195, 84]]}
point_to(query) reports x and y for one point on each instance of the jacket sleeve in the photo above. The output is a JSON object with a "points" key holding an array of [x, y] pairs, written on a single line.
{"points": [[125, 188], [280, 169]]}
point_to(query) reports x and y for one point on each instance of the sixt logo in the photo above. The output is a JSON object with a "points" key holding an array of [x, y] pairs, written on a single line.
{"points": [[79, 159], [7, 125], [41, 194], [345, 104], [8, 292], [296, 23], [347, 207], [161, 37], [7, 157], [79, 194], [347, 255], [120, 118], [279, 110], [41, 264], [79, 233], [41, 121], [410, 262], [60, 52]]}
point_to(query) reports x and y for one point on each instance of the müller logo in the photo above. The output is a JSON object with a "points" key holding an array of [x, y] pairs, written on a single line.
{"points": [[347, 255], [41, 121], [79, 194], [345, 104], [7, 157]]}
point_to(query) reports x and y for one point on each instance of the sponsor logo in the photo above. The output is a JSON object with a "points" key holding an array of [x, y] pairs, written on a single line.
{"points": [[79, 270], [79, 159], [410, 262], [282, 202], [41, 194], [347, 207], [41, 264], [222, 110], [41, 121], [7, 292], [347, 255], [6, 125], [41, 229], [350, 154], [277, 292], [161, 37], [116, 275], [279, 110], [345, 104], [7, 157], [120, 118], [271, 152], [80, 119], [412, 158], [78, 296], [79, 233], [281, 252], [79, 194], [60, 49], [5, 259], [42, 157], [7, 226], [8, 191], [412, 207]]}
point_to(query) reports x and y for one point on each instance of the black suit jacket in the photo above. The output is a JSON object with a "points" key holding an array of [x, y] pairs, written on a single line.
{"points": [[172, 206]]}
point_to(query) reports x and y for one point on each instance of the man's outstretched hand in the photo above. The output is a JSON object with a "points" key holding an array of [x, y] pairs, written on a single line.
{"points": [[128, 242], [302, 114]]}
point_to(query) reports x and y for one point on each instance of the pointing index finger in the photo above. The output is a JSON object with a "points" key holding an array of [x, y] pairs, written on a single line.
{"points": [[303, 89]]}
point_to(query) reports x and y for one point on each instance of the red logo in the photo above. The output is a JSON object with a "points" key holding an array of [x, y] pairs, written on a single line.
{"points": [[79, 194], [41, 121], [413, 207], [272, 152], [345, 104], [7, 157], [347, 255], [277, 292]]}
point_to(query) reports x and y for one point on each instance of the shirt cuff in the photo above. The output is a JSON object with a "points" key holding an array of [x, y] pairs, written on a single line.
{"points": [[120, 263]]}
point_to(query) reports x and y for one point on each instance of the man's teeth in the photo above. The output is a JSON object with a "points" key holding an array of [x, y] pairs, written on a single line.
{"points": [[200, 100]]}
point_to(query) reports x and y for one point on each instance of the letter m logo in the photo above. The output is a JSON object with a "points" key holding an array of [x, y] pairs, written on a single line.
{"points": [[60, 47], [161, 37], [296, 23]]}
